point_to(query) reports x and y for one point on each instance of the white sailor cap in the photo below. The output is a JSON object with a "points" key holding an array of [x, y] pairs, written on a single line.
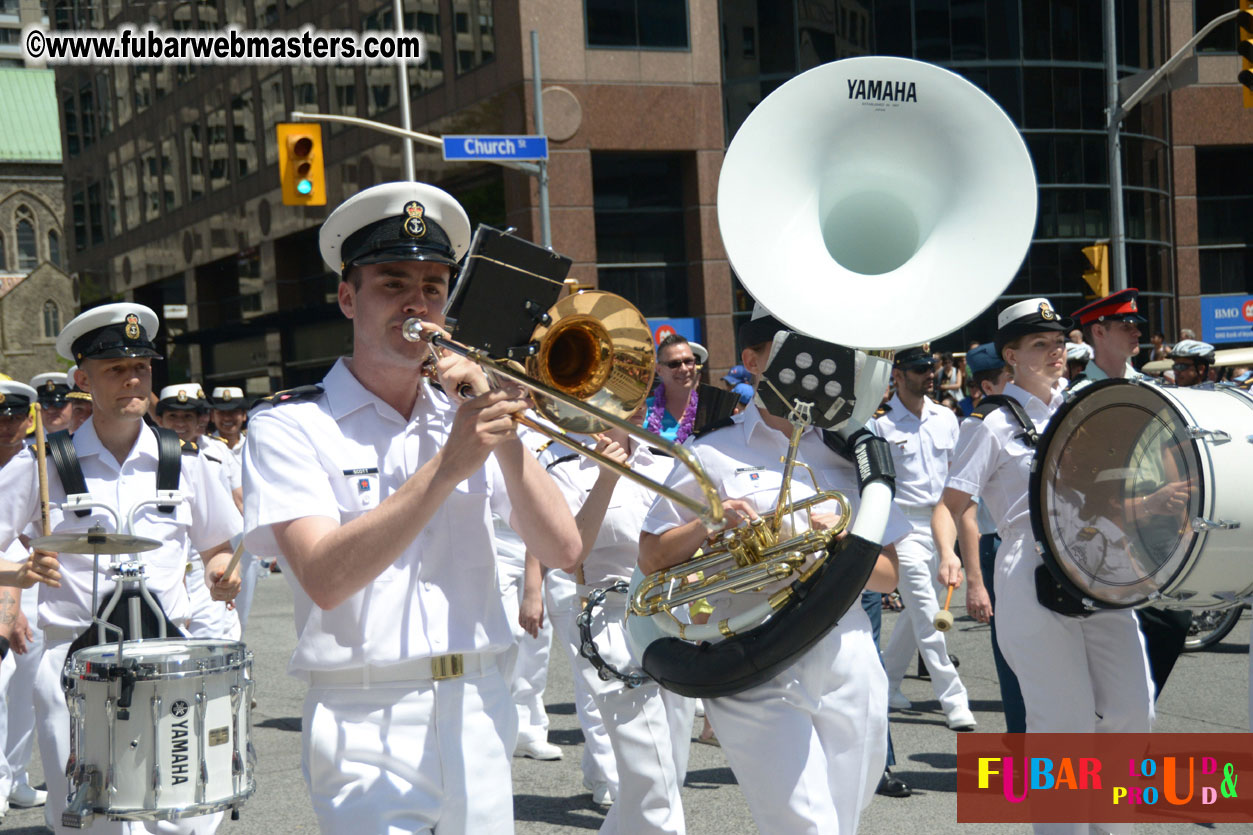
{"points": [[700, 352], [395, 222], [182, 396], [228, 397], [1028, 316], [124, 329], [1192, 349], [16, 398], [52, 387]]}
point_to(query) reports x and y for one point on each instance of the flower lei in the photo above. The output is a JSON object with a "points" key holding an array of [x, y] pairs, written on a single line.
{"points": [[658, 410]]}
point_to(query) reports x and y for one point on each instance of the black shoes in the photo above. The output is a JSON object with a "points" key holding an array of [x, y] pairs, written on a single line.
{"points": [[922, 668], [890, 786]]}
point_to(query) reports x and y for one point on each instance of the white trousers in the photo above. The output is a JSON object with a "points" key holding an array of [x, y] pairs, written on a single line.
{"points": [[52, 719], [525, 665], [915, 629], [599, 764], [650, 735], [209, 618], [425, 757], [808, 746], [1078, 675], [17, 691], [249, 573]]}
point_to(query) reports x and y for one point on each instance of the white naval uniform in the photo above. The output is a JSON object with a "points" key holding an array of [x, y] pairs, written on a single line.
{"points": [[249, 568], [921, 451], [205, 518], [808, 746], [17, 689], [211, 618], [387, 748], [1078, 674], [650, 734]]}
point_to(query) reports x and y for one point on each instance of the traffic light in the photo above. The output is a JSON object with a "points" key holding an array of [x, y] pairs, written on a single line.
{"points": [[300, 167], [1098, 276], [1244, 45]]}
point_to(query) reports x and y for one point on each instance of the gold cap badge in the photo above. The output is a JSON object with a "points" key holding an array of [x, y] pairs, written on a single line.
{"points": [[415, 226], [182, 396], [1046, 312], [132, 326]]}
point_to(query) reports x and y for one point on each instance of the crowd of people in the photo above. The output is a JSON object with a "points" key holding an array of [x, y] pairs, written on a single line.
{"points": [[436, 552]]}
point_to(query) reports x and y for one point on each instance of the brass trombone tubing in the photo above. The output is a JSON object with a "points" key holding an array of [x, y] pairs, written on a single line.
{"points": [[710, 512]]}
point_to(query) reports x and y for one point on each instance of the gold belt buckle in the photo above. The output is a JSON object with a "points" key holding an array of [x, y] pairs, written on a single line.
{"points": [[447, 666]]}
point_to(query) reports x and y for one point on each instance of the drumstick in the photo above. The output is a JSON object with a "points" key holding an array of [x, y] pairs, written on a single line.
{"points": [[239, 552], [41, 465], [944, 618]]}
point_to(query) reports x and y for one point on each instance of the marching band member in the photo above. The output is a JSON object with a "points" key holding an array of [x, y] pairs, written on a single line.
{"points": [[53, 388], [228, 408], [921, 435], [118, 458], [649, 729], [808, 746], [1078, 674], [376, 489], [80, 403], [178, 409], [17, 619]]}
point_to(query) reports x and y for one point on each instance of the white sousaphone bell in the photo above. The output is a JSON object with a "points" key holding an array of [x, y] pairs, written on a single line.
{"points": [[871, 202]]}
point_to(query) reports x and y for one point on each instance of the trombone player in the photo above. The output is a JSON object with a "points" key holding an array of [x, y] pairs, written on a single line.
{"points": [[376, 489], [808, 746]]}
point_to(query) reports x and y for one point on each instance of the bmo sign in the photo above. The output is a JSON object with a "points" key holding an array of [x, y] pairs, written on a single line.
{"points": [[1227, 319]]}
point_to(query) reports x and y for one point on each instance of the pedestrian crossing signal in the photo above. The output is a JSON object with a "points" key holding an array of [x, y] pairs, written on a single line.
{"points": [[1097, 277], [300, 165], [1244, 45]]}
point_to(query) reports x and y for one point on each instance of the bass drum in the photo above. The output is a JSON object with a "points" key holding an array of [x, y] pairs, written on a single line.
{"points": [[1138, 495]]}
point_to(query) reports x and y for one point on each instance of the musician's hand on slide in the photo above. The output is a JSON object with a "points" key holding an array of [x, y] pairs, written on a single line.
{"points": [[950, 573], [40, 567], [1168, 500], [612, 450], [460, 378], [978, 604]]}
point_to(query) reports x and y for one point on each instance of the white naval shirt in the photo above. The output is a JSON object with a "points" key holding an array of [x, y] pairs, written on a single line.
{"points": [[921, 449], [206, 518], [745, 462], [616, 551], [991, 462], [232, 469], [339, 456]]}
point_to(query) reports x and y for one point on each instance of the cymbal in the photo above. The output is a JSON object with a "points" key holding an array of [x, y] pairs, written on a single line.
{"points": [[94, 542]]}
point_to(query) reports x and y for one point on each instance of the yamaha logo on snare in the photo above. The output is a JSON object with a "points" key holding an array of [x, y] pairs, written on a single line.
{"points": [[881, 92], [179, 708]]}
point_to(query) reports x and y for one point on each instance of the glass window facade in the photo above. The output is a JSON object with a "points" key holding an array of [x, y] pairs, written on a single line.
{"points": [[1224, 204], [640, 245], [637, 24], [1043, 62]]}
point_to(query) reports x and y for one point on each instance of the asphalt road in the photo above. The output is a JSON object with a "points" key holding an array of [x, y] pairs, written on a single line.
{"points": [[1208, 691]]}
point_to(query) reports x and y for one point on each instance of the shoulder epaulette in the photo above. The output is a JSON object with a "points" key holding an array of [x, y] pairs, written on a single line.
{"points": [[883, 409], [988, 405], [660, 452], [310, 392], [543, 446], [717, 424], [217, 438], [992, 402], [571, 457], [189, 447]]}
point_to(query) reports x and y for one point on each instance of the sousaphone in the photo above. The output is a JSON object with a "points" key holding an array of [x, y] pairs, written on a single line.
{"points": [[875, 203]]}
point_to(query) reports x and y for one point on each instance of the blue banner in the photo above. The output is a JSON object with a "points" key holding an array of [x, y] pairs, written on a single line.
{"points": [[516, 148], [1226, 319], [662, 327]]}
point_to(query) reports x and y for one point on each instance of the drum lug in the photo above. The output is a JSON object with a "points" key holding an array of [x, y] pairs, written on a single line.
{"points": [[1199, 524], [1216, 436], [81, 810]]}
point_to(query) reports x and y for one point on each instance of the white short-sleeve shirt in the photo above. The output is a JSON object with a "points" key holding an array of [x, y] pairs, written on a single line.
{"points": [[232, 468], [744, 461], [339, 455], [206, 518], [614, 555], [993, 463], [921, 449]]}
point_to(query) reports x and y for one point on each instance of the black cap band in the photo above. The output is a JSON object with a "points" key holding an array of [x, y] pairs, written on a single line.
{"points": [[119, 339], [756, 331], [394, 239]]}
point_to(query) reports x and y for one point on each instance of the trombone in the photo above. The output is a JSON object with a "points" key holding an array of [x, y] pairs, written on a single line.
{"points": [[590, 365]]}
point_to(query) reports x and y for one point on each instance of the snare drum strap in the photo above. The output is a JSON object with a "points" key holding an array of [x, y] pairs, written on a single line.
{"points": [[70, 471], [992, 402]]}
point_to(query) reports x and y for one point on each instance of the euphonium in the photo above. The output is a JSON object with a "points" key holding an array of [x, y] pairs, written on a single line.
{"points": [[870, 202]]}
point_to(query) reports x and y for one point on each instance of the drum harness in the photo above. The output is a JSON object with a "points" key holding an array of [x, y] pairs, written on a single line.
{"points": [[1049, 593]]}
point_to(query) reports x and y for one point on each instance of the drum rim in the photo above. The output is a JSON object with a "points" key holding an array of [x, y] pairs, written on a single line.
{"points": [[1039, 529], [236, 656], [190, 810]]}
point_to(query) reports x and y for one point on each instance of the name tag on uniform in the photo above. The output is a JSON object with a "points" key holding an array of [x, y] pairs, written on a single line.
{"points": [[365, 481]]}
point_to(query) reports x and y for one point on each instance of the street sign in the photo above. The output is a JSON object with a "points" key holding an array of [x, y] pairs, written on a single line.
{"points": [[174, 311], [515, 148]]}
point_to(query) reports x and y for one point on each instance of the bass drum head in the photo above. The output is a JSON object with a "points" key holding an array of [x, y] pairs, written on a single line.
{"points": [[1115, 482]]}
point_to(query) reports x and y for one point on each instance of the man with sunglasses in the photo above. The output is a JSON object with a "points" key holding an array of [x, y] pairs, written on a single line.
{"points": [[672, 405], [1193, 361]]}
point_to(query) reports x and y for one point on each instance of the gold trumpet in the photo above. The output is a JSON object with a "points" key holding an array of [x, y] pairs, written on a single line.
{"points": [[590, 368]]}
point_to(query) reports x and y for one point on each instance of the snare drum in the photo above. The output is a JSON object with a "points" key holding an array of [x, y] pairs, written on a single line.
{"points": [[1139, 492], [163, 734]]}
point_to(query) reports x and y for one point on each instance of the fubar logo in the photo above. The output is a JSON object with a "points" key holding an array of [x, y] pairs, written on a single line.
{"points": [[861, 89]]}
